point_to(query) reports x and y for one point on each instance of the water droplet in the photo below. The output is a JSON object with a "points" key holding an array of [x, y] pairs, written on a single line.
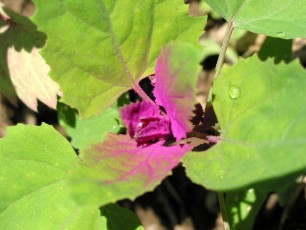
{"points": [[234, 92], [280, 35], [139, 125]]}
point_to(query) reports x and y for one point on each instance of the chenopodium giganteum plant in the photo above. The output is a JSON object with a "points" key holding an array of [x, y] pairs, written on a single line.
{"points": [[96, 51], [152, 146]]}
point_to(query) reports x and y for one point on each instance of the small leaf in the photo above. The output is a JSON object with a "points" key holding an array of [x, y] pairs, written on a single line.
{"points": [[118, 168], [17, 32], [84, 132], [176, 75], [34, 164], [29, 74], [243, 207], [109, 44], [27, 69], [279, 49], [145, 121], [120, 218], [260, 107], [275, 18]]}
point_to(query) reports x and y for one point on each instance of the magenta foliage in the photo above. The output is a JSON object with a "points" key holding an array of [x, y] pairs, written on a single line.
{"points": [[145, 122], [141, 154], [176, 97], [128, 161]]}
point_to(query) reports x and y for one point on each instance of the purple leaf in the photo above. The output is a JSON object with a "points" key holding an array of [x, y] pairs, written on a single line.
{"points": [[145, 122], [175, 78], [125, 160]]}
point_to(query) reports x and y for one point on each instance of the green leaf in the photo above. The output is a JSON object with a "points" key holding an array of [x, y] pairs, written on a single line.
{"points": [[279, 49], [120, 218], [260, 107], [275, 18], [242, 208], [96, 49], [88, 131], [34, 163]]}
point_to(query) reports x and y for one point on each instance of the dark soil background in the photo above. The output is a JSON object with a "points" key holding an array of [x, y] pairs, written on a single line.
{"points": [[178, 203]]}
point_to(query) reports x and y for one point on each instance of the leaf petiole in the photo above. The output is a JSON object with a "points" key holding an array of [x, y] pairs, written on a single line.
{"points": [[142, 93], [226, 40], [223, 211]]}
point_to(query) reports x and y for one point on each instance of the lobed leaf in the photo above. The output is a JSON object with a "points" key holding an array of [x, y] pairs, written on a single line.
{"points": [[176, 75], [18, 33], [29, 74], [34, 164], [98, 49], [260, 107], [275, 18], [117, 168]]}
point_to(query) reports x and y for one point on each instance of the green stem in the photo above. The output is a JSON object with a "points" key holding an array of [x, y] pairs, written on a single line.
{"points": [[226, 40], [223, 211], [225, 43]]}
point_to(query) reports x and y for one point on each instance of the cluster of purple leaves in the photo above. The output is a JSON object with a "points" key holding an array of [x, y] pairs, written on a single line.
{"points": [[143, 152]]}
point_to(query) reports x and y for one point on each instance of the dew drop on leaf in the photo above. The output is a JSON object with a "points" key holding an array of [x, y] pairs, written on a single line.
{"points": [[234, 92]]}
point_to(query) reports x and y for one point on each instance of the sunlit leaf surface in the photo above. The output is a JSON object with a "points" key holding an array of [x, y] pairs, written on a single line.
{"points": [[276, 18], [34, 164], [260, 107], [96, 50]]}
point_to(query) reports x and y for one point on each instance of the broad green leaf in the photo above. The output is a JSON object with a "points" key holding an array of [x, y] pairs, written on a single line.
{"points": [[120, 218], [275, 18], [98, 48], [279, 49], [242, 208], [18, 33], [88, 131], [34, 163], [260, 107]]}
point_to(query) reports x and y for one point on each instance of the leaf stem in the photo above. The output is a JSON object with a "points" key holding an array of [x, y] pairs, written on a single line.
{"points": [[142, 93], [226, 40], [223, 211]]}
